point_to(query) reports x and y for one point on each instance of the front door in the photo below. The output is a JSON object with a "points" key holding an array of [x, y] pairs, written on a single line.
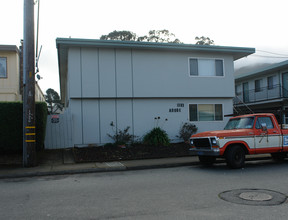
{"points": [[266, 141], [245, 92]]}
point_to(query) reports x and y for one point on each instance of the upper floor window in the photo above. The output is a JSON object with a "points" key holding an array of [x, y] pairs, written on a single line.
{"points": [[271, 82], [238, 90], [3, 67], [206, 67], [258, 84]]}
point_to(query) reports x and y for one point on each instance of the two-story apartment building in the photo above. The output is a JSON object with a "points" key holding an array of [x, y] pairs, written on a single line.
{"points": [[264, 90], [11, 80], [144, 84]]}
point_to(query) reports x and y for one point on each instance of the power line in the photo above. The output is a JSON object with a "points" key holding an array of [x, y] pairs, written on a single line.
{"points": [[256, 55], [279, 54]]}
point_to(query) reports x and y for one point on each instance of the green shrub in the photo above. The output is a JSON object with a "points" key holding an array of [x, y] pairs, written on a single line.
{"points": [[11, 128], [156, 137], [121, 137], [186, 130]]}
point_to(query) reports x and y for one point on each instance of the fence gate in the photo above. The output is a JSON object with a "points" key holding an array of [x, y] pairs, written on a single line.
{"points": [[59, 131]]}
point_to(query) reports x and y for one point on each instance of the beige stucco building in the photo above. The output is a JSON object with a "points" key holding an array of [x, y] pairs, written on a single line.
{"points": [[11, 82], [9, 73]]}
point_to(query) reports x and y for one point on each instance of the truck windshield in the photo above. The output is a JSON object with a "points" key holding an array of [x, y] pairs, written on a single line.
{"points": [[240, 123]]}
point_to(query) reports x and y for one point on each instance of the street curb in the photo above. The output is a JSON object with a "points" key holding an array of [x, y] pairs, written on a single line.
{"points": [[112, 169], [145, 167], [96, 170], [62, 172]]}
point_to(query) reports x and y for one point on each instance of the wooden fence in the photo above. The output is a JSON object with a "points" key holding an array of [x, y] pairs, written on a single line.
{"points": [[59, 131]]}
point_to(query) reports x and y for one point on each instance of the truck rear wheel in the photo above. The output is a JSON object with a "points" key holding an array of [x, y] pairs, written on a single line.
{"points": [[279, 157], [235, 157], [207, 160]]}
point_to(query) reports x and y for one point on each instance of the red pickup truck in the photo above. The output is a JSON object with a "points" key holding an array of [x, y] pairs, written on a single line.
{"points": [[246, 134]]}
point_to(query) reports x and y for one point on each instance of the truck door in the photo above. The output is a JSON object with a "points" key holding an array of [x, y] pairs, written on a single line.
{"points": [[267, 136]]}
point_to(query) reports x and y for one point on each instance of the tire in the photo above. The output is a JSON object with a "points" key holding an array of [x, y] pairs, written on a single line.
{"points": [[235, 157], [207, 160], [278, 157]]}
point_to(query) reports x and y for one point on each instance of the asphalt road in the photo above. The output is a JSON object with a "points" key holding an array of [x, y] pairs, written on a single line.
{"points": [[172, 193]]}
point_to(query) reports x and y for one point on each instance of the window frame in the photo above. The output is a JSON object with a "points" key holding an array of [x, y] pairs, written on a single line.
{"points": [[204, 58], [198, 117], [274, 82], [258, 89], [5, 66]]}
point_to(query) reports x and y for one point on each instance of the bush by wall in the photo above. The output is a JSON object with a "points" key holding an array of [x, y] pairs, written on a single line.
{"points": [[156, 137], [11, 126]]}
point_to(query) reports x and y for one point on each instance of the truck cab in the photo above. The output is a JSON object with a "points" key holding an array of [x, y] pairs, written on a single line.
{"points": [[246, 134]]}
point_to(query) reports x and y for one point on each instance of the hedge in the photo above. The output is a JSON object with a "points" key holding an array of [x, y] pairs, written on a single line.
{"points": [[11, 126]]}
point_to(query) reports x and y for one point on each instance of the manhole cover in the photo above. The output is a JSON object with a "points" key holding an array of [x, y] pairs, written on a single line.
{"points": [[253, 197]]}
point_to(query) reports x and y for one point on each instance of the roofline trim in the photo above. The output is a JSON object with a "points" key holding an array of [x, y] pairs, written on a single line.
{"points": [[150, 45]]}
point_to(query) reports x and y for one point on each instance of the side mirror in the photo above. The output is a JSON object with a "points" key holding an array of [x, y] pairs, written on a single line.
{"points": [[264, 127]]}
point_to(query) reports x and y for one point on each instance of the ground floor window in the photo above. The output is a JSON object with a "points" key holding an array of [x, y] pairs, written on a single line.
{"points": [[205, 112]]}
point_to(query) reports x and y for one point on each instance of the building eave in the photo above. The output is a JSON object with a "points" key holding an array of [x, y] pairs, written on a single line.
{"points": [[236, 52]]}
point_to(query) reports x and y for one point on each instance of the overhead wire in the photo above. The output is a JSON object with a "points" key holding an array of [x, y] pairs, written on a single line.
{"points": [[278, 55]]}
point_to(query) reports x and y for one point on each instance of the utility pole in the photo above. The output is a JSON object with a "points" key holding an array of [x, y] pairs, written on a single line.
{"points": [[29, 129]]}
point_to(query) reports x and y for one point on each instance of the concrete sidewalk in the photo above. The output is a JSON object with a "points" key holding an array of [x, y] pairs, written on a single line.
{"points": [[62, 162]]}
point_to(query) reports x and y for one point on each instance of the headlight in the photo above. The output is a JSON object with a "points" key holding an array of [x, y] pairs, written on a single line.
{"points": [[191, 142], [213, 141]]}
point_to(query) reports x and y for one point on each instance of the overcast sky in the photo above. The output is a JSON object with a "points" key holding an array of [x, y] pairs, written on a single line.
{"points": [[261, 24]]}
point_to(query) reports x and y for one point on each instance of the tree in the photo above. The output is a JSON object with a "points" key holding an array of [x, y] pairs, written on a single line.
{"points": [[204, 41], [119, 35], [162, 36], [53, 101]]}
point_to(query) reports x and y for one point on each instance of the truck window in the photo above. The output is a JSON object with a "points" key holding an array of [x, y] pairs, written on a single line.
{"points": [[240, 123], [264, 120]]}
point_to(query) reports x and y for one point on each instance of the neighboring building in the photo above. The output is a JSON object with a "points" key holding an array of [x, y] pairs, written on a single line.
{"points": [[11, 72], [39, 95], [134, 83], [264, 90]]}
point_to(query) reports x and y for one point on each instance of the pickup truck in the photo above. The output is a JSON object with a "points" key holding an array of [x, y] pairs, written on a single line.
{"points": [[246, 134]]}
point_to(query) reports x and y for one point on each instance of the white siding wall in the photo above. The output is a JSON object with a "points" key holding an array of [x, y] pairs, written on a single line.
{"points": [[90, 74], [93, 126], [132, 87], [109, 73], [124, 73]]}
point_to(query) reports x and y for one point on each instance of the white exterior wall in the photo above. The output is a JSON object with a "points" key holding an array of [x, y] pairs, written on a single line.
{"points": [[132, 87], [110, 73], [92, 118]]}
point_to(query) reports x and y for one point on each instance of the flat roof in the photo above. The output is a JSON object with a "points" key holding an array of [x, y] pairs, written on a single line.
{"points": [[12, 48]]}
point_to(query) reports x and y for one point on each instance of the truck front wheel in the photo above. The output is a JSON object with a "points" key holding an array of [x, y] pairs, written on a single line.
{"points": [[235, 157]]}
